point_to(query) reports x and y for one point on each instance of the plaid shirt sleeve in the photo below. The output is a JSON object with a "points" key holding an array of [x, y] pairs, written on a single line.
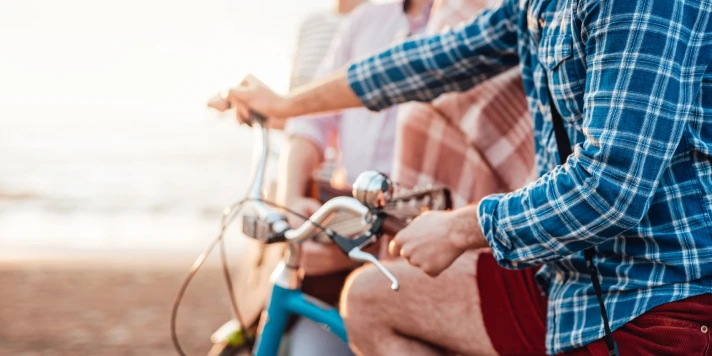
{"points": [[423, 68], [644, 69]]}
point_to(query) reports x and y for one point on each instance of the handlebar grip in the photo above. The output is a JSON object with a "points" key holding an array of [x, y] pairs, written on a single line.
{"points": [[257, 117]]}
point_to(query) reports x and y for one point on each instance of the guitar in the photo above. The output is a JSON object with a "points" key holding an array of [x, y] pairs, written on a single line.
{"points": [[402, 208]]}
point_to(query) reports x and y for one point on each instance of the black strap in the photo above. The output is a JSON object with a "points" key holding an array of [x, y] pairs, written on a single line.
{"points": [[564, 146], [612, 347]]}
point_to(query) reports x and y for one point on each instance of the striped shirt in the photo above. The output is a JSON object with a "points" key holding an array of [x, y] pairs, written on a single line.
{"points": [[633, 82], [365, 138], [315, 36]]}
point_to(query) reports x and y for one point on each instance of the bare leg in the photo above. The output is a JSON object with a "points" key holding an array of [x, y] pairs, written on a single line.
{"points": [[425, 315]]}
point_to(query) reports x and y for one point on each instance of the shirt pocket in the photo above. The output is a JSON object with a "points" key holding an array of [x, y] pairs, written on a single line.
{"points": [[557, 56]]}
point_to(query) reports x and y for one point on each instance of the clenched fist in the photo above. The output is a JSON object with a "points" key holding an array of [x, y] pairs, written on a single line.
{"points": [[434, 240]]}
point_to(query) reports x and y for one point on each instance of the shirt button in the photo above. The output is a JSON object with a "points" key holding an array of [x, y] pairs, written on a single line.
{"points": [[704, 329], [542, 108], [541, 22]]}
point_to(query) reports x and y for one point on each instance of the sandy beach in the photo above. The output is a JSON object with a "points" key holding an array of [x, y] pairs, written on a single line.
{"points": [[106, 306]]}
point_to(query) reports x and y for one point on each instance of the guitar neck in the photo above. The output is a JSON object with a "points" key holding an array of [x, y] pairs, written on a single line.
{"points": [[399, 211]]}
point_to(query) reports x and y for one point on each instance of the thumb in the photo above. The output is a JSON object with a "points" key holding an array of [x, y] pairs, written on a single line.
{"points": [[244, 91], [238, 94], [239, 98]]}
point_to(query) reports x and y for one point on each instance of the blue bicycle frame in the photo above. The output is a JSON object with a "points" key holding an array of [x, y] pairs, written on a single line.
{"points": [[285, 302], [287, 299]]}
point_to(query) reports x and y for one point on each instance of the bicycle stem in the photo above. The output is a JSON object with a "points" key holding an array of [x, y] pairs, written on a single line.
{"points": [[276, 220], [260, 160]]}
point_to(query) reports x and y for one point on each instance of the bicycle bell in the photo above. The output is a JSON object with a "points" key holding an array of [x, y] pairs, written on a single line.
{"points": [[373, 189]]}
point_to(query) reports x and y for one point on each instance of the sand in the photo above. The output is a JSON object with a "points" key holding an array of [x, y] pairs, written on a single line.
{"points": [[106, 305]]}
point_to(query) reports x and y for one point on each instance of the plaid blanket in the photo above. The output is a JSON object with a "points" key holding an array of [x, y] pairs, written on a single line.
{"points": [[477, 142]]}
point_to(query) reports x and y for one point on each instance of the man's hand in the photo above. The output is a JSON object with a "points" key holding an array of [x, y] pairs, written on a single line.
{"points": [[251, 94], [325, 95], [219, 102], [433, 241]]}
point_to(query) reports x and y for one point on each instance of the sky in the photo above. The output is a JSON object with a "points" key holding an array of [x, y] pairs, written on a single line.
{"points": [[141, 52]]}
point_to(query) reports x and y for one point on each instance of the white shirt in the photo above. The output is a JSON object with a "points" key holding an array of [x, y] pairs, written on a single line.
{"points": [[366, 138]]}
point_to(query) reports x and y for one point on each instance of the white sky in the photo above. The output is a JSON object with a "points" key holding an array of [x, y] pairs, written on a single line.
{"points": [[139, 53]]}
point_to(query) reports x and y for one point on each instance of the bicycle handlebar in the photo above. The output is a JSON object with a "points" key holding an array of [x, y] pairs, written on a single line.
{"points": [[308, 228], [371, 188]]}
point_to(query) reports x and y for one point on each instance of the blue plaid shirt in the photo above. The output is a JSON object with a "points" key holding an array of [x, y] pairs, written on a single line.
{"points": [[633, 82]]}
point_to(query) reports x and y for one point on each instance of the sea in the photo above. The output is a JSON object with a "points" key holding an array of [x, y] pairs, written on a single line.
{"points": [[105, 141]]}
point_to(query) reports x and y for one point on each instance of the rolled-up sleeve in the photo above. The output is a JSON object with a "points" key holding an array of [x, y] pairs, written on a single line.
{"points": [[642, 78], [424, 67], [317, 129]]}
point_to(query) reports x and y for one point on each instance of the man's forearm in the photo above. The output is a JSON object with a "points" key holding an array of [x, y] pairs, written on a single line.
{"points": [[332, 93], [298, 160], [465, 226]]}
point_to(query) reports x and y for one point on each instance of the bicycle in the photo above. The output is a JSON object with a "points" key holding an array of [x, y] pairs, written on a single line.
{"points": [[373, 203]]}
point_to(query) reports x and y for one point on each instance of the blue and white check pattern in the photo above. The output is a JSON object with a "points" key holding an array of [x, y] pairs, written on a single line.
{"points": [[632, 80]]}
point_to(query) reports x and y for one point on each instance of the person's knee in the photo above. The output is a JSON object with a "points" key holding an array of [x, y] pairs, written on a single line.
{"points": [[358, 289], [360, 298]]}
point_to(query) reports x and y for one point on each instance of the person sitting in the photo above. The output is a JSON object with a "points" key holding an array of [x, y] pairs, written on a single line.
{"points": [[464, 141], [620, 226], [365, 142]]}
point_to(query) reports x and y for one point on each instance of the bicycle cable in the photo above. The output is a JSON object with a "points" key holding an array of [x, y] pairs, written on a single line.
{"points": [[237, 207], [229, 214]]}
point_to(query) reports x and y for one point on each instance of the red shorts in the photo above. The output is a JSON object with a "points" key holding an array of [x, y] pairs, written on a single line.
{"points": [[514, 313]]}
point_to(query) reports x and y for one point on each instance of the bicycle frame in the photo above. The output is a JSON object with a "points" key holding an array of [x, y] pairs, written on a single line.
{"points": [[287, 300], [287, 297]]}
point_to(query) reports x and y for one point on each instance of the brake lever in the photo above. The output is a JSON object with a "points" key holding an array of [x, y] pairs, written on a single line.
{"points": [[353, 247], [357, 254], [369, 237]]}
